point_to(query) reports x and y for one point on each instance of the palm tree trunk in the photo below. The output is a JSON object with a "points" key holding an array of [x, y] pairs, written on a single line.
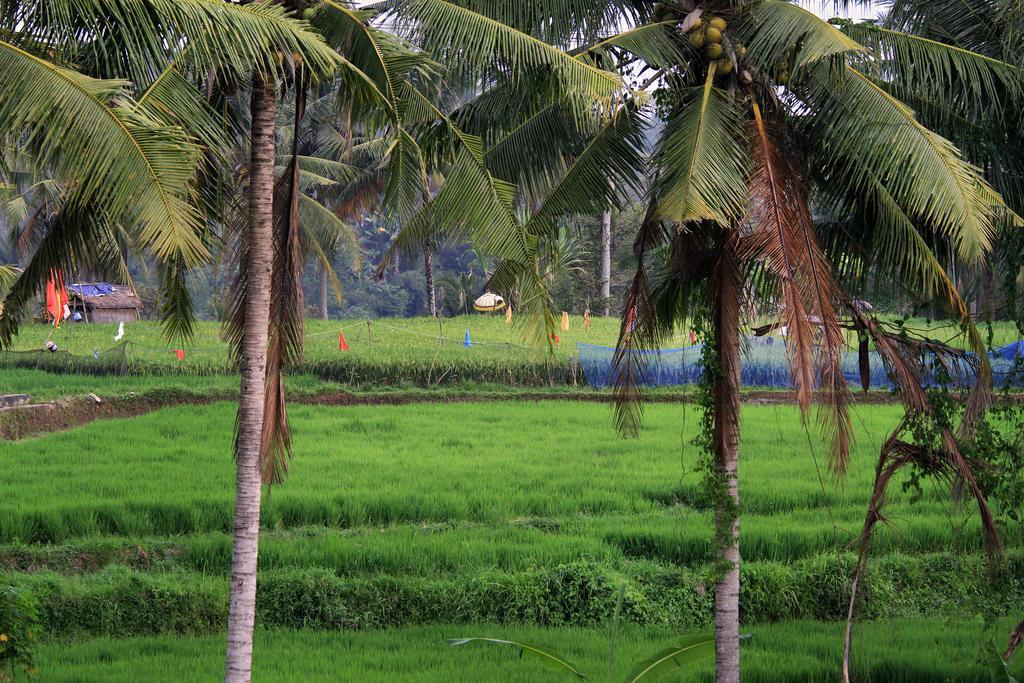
{"points": [[727, 439], [428, 269], [606, 261], [323, 292], [242, 605]]}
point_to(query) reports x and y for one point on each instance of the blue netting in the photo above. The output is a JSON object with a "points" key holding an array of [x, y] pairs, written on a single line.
{"points": [[764, 364]]}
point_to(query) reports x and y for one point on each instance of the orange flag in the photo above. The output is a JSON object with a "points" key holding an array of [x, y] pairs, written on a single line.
{"points": [[565, 321], [180, 353], [342, 344], [508, 315], [56, 297]]}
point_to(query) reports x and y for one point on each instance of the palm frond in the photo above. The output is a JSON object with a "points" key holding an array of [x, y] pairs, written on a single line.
{"points": [[130, 37], [702, 159], [873, 137], [606, 173], [777, 27], [137, 169], [784, 242], [657, 44], [463, 38], [914, 65]]}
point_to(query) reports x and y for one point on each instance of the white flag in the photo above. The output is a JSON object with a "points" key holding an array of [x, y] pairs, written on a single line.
{"points": [[120, 331]]}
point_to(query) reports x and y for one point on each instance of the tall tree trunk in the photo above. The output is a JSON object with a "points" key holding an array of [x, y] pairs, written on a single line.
{"points": [[727, 440], [323, 293], [428, 269], [242, 606], [606, 261]]}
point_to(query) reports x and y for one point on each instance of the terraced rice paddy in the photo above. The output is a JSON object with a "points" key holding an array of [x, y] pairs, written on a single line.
{"points": [[501, 519]]}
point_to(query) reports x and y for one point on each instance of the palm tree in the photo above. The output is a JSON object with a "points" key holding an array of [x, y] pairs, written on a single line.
{"points": [[134, 152], [764, 103]]}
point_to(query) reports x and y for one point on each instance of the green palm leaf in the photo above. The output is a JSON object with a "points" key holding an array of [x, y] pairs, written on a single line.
{"points": [[132, 36], [608, 170], [691, 649], [875, 136], [118, 158], [702, 159], [467, 39], [550, 659], [657, 44], [915, 65], [776, 27]]}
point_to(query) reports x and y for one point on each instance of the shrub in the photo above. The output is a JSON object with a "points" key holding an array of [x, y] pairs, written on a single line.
{"points": [[19, 626]]}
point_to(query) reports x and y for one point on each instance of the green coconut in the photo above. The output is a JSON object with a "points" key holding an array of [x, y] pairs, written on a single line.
{"points": [[715, 50], [697, 39], [713, 34], [725, 66], [719, 23]]}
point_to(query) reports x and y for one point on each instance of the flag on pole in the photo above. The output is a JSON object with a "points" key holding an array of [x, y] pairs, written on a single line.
{"points": [[180, 353], [342, 344], [120, 331], [467, 342], [56, 297], [586, 319], [565, 321], [508, 315]]}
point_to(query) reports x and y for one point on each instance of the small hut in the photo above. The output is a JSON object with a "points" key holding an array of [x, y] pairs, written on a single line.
{"points": [[101, 302]]}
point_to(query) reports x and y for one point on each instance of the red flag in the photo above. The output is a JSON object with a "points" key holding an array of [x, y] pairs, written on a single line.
{"points": [[342, 344], [56, 297], [180, 353]]}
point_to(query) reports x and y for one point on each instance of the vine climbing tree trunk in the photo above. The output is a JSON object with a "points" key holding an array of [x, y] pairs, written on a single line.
{"points": [[251, 404], [428, 269], [606, 261], [726, 388]]}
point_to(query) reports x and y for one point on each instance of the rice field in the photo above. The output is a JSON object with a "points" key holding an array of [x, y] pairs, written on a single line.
{"points": [[898, 651], [400, 526], [411, 351]]}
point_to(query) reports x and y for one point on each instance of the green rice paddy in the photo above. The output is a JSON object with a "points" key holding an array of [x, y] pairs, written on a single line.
{"points": [[400, 526]]}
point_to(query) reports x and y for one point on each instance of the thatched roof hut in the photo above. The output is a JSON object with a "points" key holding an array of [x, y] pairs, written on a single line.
{"points": [[102, 302]]}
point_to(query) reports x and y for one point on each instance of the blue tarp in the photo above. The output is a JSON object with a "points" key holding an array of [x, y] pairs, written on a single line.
{"points": [[764, 364], [1011, 351], [96, 289]]}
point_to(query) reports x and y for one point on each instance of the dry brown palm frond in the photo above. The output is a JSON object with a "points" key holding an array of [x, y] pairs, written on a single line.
{"points": [[286, 312], [639, 332], [784, 243], [904, 362]]}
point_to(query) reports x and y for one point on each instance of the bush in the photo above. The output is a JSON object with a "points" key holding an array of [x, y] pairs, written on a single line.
{"points": [[19, 626]]}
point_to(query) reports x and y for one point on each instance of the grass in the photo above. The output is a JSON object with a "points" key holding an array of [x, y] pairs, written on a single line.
{"points": [[898, 651]]}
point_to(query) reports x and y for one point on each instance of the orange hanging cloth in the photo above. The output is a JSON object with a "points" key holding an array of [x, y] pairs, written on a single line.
{"points": [[508, 315], [565, 321], [342, 344], [56, 297]]}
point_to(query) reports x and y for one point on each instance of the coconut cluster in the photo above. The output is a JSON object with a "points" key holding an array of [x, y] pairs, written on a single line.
{"points": [[709, 36]]}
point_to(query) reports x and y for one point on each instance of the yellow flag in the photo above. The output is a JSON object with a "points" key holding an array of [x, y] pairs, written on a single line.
{"points": [[565, 321], [586, 319]]}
